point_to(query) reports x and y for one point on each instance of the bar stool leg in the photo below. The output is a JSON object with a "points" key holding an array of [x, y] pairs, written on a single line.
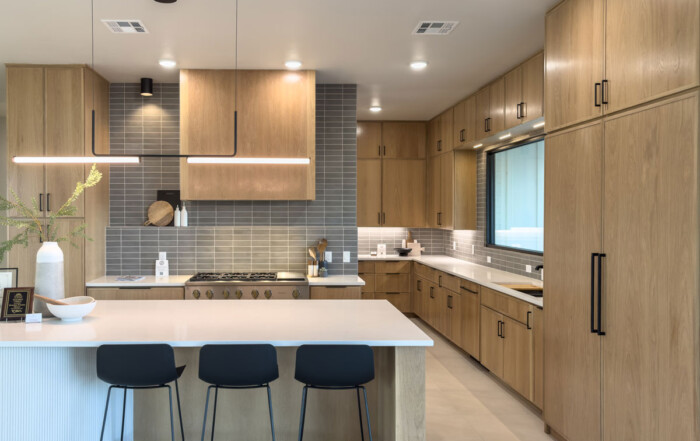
{"points": [[179, 410], [123, 413], [369, 426], [303, 414], [359, 410], [206, 407], [269, 405], [172, 425], [213, 419], [104, 420]]}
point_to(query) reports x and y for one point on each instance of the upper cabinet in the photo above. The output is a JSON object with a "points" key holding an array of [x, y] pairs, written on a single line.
{"points": [[606, 56], [440, 133], [490, 109], [524, 92], [483, 112], [403, 140], [369, 140], [464, 122], [276, 119], [451, 190]]}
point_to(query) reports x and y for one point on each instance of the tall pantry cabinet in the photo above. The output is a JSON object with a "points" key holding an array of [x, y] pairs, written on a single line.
{"points": [[622, 234], [49, 113]]}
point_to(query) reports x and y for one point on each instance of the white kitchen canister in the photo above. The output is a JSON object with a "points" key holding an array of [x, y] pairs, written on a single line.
{"points": [[48, 281]]}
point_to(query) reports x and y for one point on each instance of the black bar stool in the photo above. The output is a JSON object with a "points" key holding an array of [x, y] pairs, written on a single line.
{"points": [[148, 366], [237, 367], [335, 367]]}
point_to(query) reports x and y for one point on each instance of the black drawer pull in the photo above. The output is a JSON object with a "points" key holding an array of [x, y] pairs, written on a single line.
{"points": [[337, 286], [527, 320], [470, 290]]}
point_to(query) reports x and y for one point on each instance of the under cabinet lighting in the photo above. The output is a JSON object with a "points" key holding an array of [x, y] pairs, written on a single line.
{"points": [[478, 145], [76, 160], [169, 64], [538, 125], [419, 65], [229, 160], [293, 64], [375, 109], [506, 136]]}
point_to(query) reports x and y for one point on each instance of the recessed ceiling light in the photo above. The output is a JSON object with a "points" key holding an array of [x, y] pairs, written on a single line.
{"points": [[167, 63], [478, 145], [419, 65], [293, 64], [375, 109]]}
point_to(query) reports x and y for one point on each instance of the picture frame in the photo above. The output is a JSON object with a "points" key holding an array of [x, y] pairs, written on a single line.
{"points": [[16, 303], [9, 278]]}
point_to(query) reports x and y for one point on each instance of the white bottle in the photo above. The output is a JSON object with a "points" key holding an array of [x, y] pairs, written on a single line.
{"points": [[183, 216], [176, 217]]}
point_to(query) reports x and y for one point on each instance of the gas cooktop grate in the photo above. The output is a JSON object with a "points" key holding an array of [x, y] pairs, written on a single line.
{"points": [[234, 277]]}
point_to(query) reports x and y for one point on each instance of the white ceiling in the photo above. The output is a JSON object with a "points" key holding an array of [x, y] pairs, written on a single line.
{"points": [[367, 42]]}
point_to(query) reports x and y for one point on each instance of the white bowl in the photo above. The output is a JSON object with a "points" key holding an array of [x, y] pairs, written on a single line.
{"points": [[77, 308]]}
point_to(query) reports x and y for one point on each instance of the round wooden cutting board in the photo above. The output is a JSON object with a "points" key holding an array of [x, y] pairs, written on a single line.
{"points": [[160, 213]]}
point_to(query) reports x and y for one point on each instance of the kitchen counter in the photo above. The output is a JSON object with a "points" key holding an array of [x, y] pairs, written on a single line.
{"points": [[152, 281], [57, 359], [482, 275], [193, 324]]}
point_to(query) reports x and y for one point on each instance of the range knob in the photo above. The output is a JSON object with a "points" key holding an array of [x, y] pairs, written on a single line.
{"points": [[255, 293], [227, 294], [210, 293], [268, 293], [239, 293], [295, 293], [196, 294]]}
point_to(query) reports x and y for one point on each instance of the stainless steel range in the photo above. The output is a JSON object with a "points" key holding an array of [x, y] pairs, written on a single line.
{"points": [[247, 286]]}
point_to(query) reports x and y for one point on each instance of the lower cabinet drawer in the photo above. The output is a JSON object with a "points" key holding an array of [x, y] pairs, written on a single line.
{"points": [[401, 300], [448, 281], [393, 266], [335, 293], [365, 266], [392, 282], [425, 272], [146, 293], [507, 305], [369, 282]]}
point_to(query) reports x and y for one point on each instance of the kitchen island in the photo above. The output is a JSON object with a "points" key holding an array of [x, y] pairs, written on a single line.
{"points": [[51, 367]]}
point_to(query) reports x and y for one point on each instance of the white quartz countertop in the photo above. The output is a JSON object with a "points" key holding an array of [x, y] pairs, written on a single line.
{"points": [[483, 275], [148, 281], [336, 281], [182, 323]]}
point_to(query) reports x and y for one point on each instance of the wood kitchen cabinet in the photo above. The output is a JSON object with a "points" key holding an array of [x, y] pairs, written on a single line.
{"points": [[391, 187], [144, 293], [491, 341], [391, 281], [538, 357], [276, 119], [369, 140], [335, 293], [451, 198], [440, 133], [464, 125], [483, 112], [523, 92], [453, 319], [615, 383], [470, 317], [497, 113], [49, 113], [517, 356]]}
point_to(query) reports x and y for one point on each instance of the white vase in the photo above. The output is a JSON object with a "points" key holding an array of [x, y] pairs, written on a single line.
{"points": [[48, 281]]}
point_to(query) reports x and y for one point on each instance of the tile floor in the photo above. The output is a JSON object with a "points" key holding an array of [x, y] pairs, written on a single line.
{"points": [[465, 402]]}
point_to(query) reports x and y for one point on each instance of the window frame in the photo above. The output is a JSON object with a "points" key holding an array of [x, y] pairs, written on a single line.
{"points": [[489, 237]]}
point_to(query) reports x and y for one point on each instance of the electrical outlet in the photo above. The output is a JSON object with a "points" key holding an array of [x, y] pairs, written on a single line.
{"points": [[454, 245], [346, 256], [528, 268], [329, 256], [472, 250], [488, 259]]}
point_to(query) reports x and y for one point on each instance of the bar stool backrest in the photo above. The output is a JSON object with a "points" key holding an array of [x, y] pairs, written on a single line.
{"points": [[238, 365], [334, 365], [139, 365]]}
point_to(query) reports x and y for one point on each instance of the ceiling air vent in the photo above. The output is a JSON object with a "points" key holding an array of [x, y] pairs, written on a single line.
{"points": [[435, 27], [126, 26]]}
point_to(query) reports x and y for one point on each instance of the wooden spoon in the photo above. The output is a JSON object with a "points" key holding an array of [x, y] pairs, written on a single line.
{"points": [[312, 253], [49, 300], [322, 245]]}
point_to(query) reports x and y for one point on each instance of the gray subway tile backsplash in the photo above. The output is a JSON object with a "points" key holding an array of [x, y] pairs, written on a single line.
{"points": [[227, 235]]}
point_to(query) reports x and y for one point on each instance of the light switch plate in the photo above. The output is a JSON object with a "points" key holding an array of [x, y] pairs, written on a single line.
{"points": [[329, 256], [528, 268], [346, 256], [488, 259]]}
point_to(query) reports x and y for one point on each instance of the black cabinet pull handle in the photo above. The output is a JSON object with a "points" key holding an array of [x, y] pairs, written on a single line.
{"points": [[41, 200], [431, 292], [384, 150], [527, 320], [418, 285], [486, 125], [449, 302], [604, 93], [595, 94], [517, 111], [439, 281], [523, 109], [383, 217], [503, 328], [379, 150], [593, 257], [489, 124], [498, 328], [600, 294], [461, 135], [48, 201], [469, 290], [439, 145]]}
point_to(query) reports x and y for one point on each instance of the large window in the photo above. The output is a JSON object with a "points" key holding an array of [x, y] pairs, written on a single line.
{"points": [[515, 216]]}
